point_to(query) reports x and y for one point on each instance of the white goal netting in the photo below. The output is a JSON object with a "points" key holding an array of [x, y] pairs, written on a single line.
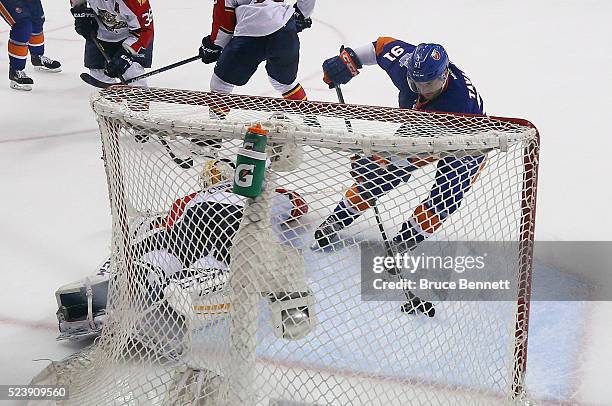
{"points": [[217, 299]]}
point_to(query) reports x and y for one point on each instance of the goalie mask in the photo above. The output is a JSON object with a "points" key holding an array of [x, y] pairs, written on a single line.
{"points": [[215, 171]]}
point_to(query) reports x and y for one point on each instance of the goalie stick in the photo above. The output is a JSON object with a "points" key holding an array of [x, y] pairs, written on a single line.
{"points": [[415, 304], [90, 80], [185, 163]]}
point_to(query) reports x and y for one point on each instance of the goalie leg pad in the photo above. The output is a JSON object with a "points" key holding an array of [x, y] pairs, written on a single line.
{"points": [[199, 292]]}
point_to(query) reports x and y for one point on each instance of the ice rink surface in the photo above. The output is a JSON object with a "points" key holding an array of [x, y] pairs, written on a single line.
{"points": [[546, 62]]}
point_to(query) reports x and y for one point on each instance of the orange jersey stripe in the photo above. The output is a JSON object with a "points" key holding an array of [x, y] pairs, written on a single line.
{"points": [[381, 42], [353, 196], [419, 162], [6, 15], [37, 39], [480, 169], [426, 219], [18, 51]]}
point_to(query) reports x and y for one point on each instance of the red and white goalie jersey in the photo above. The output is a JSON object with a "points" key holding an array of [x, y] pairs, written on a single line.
{"points": [[252, 18], [199, 229], [127, 21]]}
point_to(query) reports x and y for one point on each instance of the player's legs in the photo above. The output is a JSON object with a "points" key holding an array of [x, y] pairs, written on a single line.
{"points": [[17, 14], [237, 63], [282, 60], [18, 44], [37, 41], [374, 177], [454, 178]]}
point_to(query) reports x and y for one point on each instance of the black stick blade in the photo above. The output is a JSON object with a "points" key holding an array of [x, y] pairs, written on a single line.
{"points": [[90, 80], [419, 306]]}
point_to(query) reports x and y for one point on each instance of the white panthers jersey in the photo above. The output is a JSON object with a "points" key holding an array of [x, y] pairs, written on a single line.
{"points": [[257, 18], [130, 21]]}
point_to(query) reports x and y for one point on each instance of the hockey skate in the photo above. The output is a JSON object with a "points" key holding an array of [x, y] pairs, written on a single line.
{"points": [[20, 80], [45, 64], [326, 234]]}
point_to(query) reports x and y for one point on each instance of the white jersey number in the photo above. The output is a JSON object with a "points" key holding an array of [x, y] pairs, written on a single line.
{"points": [[394, 53]]}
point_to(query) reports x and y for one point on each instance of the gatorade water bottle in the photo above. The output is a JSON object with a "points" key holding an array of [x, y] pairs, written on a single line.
{"points": [[251, 163]]}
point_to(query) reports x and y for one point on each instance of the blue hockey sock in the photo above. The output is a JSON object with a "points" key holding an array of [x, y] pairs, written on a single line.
{"points": [[37, 39], [18, 44]]}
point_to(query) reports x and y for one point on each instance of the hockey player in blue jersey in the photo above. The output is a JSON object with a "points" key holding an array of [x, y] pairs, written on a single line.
{"points": [[427, 81], [26, 19]]}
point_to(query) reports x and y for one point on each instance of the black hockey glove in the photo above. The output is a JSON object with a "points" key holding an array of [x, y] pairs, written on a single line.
{"points": [[209, 52], [338, 70], [301, 22], [118, 64], [85, 23]]}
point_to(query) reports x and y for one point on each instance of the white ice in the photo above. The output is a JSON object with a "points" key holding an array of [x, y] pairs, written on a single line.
{"points": [[546, 61]]}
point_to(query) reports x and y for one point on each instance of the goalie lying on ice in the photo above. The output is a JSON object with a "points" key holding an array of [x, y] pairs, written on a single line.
{"points": [[181, 257]]}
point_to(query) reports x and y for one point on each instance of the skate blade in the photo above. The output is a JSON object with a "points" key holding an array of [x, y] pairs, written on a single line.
{"points": [[43, 69], [17, 86]]}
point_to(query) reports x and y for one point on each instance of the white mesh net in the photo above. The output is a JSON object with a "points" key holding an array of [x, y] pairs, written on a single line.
{"points": [[203, 313]]}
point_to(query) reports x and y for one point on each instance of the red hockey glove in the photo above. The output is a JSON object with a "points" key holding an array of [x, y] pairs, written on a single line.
{"points": [[300, 207]]}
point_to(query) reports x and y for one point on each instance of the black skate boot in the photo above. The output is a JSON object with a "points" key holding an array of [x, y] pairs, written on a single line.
{"points": [[19, 80], [45, 64], [326, 234]]}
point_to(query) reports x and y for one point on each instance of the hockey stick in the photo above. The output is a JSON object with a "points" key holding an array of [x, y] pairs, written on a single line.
{"points": [[87, 78], [163, 69], [415, 303], [185, 163], [347, 122]]}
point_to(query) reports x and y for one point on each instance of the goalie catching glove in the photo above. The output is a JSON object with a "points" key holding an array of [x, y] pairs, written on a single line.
{"points": [[338, 70]]}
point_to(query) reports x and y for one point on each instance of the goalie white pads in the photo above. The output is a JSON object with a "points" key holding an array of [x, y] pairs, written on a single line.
{"points": [[199, 293]]}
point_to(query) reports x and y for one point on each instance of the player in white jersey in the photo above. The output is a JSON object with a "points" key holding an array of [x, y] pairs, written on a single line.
{"points": [[188, 247], [125, 30], [248, 32]]}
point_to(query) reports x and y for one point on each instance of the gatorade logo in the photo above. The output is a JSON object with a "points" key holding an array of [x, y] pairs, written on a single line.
{"points": [[244, 175]]}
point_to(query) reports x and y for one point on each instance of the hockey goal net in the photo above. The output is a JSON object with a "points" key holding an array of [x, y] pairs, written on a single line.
{"points": [[183, 329]]}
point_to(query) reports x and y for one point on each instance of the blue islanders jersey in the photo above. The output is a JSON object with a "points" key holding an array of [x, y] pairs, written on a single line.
{"points": [[458, 96]]}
